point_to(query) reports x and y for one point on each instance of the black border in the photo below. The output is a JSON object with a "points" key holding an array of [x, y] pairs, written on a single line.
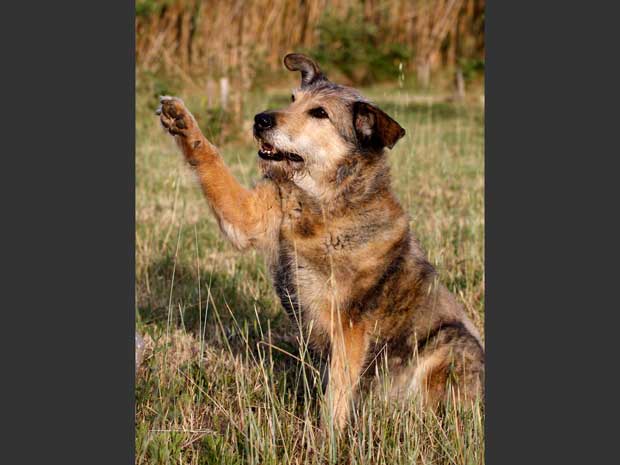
{"points": [[551, 199], [67, 194]]}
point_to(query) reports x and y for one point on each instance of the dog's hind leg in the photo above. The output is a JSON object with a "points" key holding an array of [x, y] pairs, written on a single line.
{"points": [[450, 365], [246, 217]]}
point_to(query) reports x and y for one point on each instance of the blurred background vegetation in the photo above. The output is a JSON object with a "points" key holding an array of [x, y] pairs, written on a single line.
{"points": [[226, 49]]}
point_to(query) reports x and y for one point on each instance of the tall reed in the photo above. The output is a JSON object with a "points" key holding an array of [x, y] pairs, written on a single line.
{"points": [[238, 38]]}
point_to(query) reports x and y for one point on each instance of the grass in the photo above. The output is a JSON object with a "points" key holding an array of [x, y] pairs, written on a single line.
{"points": [[225, 378]]}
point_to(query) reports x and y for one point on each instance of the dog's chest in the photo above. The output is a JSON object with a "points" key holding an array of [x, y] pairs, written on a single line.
{"points": [[309, 257]]}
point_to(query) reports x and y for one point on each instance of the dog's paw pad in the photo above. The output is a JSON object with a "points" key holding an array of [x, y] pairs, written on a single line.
{"points": [[173, 115]]}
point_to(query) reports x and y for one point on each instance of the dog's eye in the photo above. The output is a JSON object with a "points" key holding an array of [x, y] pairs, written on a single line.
{"points": [[292, 97], [318, 113]]}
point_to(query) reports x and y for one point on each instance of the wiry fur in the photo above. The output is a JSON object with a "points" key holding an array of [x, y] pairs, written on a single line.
{"points": [[339, 246]]}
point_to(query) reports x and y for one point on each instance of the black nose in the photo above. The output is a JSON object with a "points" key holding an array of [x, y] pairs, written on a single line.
{"points": [[264, 121]]}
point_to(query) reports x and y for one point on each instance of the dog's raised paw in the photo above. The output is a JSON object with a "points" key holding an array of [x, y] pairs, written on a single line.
{"points": [[173, 115]]}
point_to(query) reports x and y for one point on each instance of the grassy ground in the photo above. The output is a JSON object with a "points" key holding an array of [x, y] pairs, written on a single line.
{"points": [[224, 379]]}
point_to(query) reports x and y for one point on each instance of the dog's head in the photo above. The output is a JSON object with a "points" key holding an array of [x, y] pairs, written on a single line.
{"points": [[324, 125]]}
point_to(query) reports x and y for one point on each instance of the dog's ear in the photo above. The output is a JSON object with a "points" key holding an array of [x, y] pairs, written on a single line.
{"points": [[375, 128], [310, 71]]}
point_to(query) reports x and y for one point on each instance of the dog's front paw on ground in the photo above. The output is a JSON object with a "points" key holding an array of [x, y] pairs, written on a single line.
{"points": [[174, 116]]}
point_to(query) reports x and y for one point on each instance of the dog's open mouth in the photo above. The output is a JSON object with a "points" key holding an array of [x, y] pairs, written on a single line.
{"points": [[269, 152]]}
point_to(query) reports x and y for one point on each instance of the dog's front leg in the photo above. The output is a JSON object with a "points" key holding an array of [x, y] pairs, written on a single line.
{"points": [[246, 217], [349, 345]]}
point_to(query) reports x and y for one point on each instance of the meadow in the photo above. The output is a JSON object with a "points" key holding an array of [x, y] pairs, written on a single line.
{"points": [[226, 377]]}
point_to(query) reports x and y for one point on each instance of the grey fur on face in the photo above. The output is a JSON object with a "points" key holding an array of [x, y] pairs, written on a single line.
{"points": [[358, 121]]}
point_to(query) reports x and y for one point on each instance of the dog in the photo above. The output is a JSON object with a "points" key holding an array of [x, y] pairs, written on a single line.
{"points": [[338, 243]]}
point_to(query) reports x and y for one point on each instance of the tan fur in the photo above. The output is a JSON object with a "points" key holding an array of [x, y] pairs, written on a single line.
{"points": [[339, 246]]}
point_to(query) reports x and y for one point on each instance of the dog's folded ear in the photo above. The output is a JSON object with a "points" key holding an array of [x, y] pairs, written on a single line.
{"points": [[310, 71], [375, 128]]}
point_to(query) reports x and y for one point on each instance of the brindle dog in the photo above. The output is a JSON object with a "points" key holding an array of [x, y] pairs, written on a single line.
{"points": [[338, 242]]}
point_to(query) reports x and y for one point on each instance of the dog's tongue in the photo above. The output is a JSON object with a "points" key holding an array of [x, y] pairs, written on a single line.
{"points": [[265, 147]]}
